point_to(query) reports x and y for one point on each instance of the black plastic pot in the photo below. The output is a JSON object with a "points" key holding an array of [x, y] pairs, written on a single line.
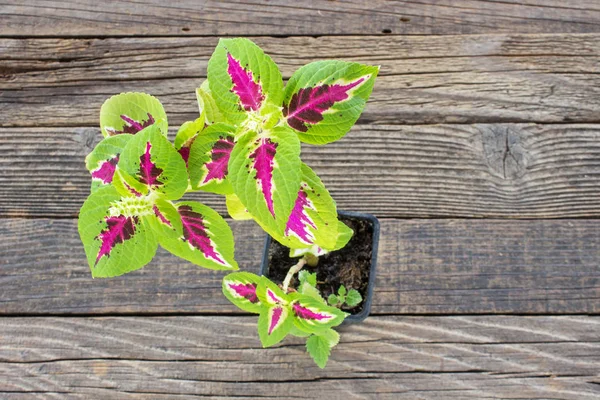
{"points": [[354, 318]]}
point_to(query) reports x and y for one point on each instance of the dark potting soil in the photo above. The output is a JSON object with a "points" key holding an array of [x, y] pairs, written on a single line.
{"points": [[348, 266]]}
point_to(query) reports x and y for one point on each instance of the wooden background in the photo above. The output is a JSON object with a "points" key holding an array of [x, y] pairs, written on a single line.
{"points": [[479, 151]]}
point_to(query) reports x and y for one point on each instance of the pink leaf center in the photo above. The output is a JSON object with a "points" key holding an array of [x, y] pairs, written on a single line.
{"points": [[308, 104], [264, 157], [247, 291], [185, 154], [305, 313], [131, 126], [276, 316], [194, 232], [248, 91], [217, 167], [149, 172], [118, 230], [107, 170], [299, 220]]}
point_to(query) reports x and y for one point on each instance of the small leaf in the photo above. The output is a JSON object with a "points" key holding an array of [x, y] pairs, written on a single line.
{"points": [[208, 106], [242, 79], [265, 175], [274, 323], [343, 237], [324, 99], [319, 349], [236, 209], [353, 298], [166, 217], [102, 161], [308, 277], [270, 294], [342, 290], [333, 300], [206, 239], [115, 239], [186, 135], [150, 163], [312, 315], [209, 159], [240, 289], [130, 113]]}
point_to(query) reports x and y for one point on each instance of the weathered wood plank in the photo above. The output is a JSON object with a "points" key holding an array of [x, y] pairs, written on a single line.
{"points": [[484, 78], [285, 17], [387, 357], [425, 267], [480, 170]]}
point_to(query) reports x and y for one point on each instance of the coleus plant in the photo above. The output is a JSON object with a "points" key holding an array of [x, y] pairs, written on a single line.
{"points": [[246, 146]]}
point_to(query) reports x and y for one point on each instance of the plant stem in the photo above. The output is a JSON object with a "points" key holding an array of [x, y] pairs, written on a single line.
{"points": [[294, 270]]}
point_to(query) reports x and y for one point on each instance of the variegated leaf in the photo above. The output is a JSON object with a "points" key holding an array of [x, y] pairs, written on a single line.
{"points": [[274, 323], [102, 161], [205, 240], [324, 99], [265, 175], [150, 163], [243, 79], [209, 159], [240, 289], [186, 135], [115, 232], [165, 218], [311, 315], [313, 220], [270, 294], [130, 113]]}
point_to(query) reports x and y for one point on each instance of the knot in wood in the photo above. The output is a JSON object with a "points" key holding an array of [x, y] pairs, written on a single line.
{"points": [[88, 138], [504, 151]]}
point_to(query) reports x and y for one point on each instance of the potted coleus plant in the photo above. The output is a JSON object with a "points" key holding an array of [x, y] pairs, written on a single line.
{"points": [[245, 145]]}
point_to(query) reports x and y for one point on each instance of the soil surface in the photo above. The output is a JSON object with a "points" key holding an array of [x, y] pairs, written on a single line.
{"points": [[348, 266]]}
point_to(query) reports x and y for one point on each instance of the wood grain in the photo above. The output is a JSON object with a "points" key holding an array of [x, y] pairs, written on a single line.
{"points": [[479, 170], [425, 267], [454, 79], [386, 357], [285, 17]]}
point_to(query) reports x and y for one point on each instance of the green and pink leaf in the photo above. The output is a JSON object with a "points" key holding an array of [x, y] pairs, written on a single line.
{"points": [[205, 238], [102, 161], [240, 289], [313, 220], [324, 99], [311, 315], [270, 294], [274, 323], [186, 135], [115, 240], [130, 113], [209, 159], [242, 79], [150, 163], [265, 175]]}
